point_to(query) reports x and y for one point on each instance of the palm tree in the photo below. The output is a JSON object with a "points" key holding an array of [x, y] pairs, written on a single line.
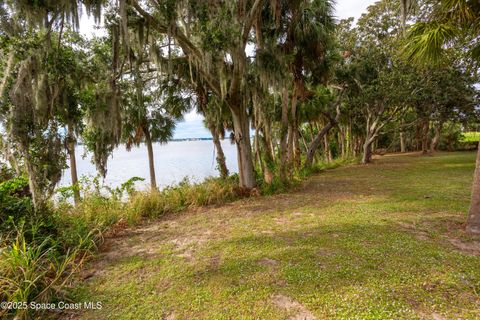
{"points": [[151, 116], [450, 22]]}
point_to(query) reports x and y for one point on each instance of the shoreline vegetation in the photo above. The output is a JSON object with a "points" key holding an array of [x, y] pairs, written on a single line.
{"points": [[51, 247]]}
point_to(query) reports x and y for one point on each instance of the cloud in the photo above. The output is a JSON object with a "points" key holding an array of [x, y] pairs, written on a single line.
{"points": [[352, 8]]}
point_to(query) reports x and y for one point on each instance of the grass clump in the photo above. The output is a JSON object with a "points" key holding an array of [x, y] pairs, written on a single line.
{"points": [[182, 196], [40, 252]]}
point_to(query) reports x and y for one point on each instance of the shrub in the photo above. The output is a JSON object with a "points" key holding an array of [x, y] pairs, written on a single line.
{"points": [[36, 271], [15, 203]]}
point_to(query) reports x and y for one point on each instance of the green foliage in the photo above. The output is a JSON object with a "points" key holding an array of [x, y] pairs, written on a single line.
{"points": [[446, 24], [36, 271], [470, 137], [15, 205]]}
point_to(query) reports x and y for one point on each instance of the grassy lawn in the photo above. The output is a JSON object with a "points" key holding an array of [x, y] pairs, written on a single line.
{"points": [[383, 241]]}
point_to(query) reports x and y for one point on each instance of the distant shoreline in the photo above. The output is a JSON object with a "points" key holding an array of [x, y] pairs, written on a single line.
{"points": [[191, 139]]}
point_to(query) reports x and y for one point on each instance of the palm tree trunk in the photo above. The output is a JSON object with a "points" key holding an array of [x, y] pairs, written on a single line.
{"points": [[151, 162], [473, 222], [295, 145]]}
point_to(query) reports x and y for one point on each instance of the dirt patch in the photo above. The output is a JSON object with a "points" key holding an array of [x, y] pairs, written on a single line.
{"points": [[431, 316], [295, 308], [417, 233], [436, 316], [188, 255], [282, 220], [268, 262], [324, 252], [471, 247], [183, 243], [186, 246]]}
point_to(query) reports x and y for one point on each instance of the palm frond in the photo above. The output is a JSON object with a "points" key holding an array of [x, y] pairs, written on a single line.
{"points": [[426, 41]]}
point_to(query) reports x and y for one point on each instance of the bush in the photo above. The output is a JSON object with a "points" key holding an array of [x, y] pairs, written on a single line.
{"points": [[15, 203]]}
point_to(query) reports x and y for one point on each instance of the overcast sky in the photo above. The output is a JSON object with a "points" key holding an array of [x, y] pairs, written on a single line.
{"points": [[193, 127]]}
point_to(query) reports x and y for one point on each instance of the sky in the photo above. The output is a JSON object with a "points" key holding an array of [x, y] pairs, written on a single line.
{"points": [[192, 126]]}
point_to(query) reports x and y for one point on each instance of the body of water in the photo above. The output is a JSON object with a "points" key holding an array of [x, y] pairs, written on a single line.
{"points": [[173, 162]]}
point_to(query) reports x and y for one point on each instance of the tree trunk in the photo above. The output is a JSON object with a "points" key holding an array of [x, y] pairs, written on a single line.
{"points": [[305, 145], [367, 151], [473, 222], [402, 142], [267, 155], [268, 142], [244, 148], [328, 152], [341, 138], [257, 161], [6, 72], [322, 133], [436, 137], [151, 163], [316, 143], [73, 165], [222, 166], [38, 199], [349, 139], [425, 129], [295, 152], [290, 147], [283, 137]]}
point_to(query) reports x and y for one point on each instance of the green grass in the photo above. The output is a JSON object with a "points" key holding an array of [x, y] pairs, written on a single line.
{"points": [[356, 242], [471, 137]]}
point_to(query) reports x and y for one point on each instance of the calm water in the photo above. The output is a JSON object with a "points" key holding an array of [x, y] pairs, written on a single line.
{"points": [[173, 162]]}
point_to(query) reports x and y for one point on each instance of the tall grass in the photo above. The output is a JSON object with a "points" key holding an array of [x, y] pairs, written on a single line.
{"points": [[182, 196], [37, 271]]}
